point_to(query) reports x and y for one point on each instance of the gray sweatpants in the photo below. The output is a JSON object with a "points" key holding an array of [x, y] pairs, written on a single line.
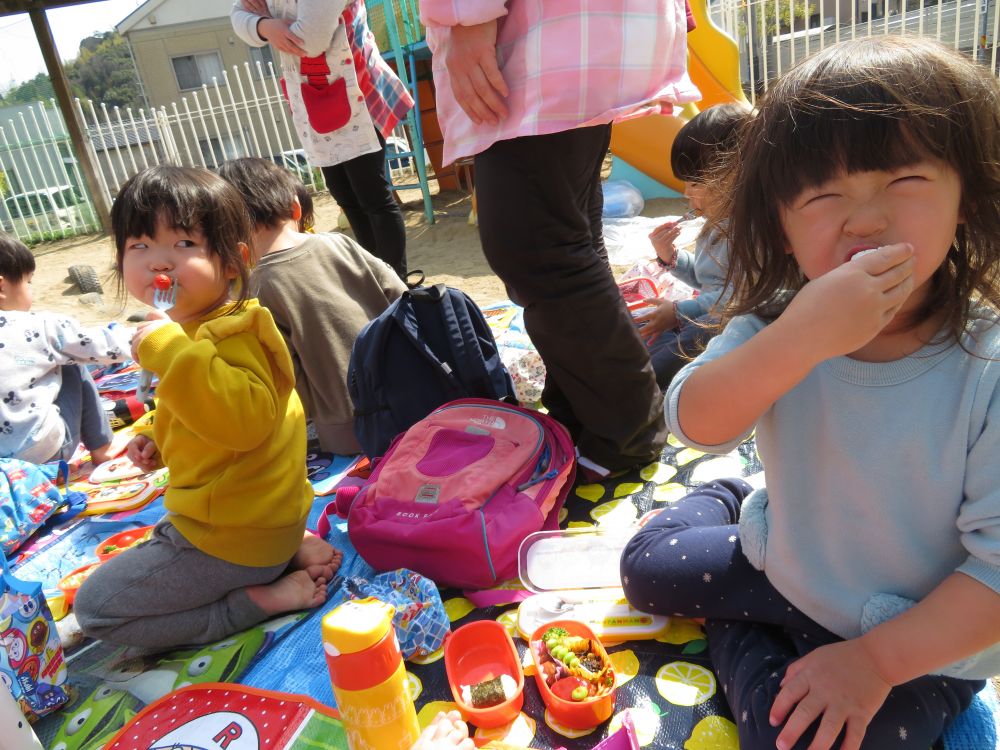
{"points": [[165, 593], [80, 406]]}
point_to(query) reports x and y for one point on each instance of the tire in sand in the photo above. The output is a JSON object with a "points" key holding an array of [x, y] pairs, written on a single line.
{"points": [[85, 277]]}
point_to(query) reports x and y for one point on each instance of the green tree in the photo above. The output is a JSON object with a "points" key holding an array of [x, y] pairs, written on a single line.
{"points": [[104, 72], [38, 88], [776, 16]]}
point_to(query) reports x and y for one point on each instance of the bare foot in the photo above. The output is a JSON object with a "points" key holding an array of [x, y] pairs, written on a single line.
{"points": [[99, 455], [317, 558], [289, 593]]}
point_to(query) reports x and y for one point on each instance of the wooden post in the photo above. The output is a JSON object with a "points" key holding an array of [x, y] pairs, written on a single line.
{"points": [[60, 85]]}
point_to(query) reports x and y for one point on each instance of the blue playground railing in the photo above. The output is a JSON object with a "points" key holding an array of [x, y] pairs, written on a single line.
{"points": [[405, 49]]}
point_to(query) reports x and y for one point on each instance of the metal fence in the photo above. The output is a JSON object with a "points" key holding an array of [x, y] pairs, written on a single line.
{"points": [[773, 35], [44, 195], [243, 114]]}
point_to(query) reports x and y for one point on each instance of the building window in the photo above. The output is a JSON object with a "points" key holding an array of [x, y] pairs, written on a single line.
{"points": [[263, 56], [194, 71]]}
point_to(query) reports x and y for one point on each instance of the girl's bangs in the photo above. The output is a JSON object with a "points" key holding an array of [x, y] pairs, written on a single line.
{"points": [[827, 139], [177, 205]]}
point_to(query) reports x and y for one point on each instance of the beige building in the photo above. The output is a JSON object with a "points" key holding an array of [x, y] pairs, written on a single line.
{"points": [[181, 47]]}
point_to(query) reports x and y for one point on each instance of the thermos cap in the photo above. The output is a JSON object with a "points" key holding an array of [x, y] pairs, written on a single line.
{"points": [[357, 625]]}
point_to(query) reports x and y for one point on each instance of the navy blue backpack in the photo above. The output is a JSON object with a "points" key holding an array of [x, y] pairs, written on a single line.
{"points": [[429, 347]]}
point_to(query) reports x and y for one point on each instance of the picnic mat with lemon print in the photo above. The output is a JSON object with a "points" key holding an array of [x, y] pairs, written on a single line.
{"points": [[666, 684]]}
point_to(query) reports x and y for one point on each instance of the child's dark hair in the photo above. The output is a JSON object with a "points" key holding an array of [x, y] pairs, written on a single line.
{"points": [[708, 135], [268, 190], [308, 219], [877, 104], [188, 198], [16, 260]]}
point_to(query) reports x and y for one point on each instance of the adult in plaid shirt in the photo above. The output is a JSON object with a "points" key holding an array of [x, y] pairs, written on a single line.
{"points": [[531, 89]]}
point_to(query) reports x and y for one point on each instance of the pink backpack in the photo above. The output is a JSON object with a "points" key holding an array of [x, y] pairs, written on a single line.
{"points": [[455, 494]]}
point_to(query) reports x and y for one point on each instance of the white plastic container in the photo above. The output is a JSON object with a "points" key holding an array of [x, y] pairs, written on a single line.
{"points": [[574, 576]]}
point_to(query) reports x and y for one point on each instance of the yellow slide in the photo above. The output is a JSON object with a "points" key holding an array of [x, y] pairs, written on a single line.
{"points": [[714, 67]]}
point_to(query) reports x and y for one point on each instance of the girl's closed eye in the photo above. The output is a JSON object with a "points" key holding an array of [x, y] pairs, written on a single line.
{"points": [[909, 180], [812, 198]]}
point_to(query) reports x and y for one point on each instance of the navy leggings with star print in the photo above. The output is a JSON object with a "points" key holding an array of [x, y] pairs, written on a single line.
{"points": [[688, 562]]}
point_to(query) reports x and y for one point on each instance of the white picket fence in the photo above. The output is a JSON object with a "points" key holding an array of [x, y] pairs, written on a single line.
{"points": [[44, 197], [244, 113], [241, 115], [768, 47]]}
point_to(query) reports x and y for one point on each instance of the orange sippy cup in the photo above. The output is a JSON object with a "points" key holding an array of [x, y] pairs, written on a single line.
{"points": [[368, 676]]}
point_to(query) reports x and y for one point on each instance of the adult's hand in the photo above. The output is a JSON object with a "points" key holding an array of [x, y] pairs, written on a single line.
{"points": [[257, 7], [276, 32], [476, 81]]}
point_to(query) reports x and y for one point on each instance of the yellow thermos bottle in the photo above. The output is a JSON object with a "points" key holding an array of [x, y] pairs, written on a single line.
{"points": [[368, 676]]}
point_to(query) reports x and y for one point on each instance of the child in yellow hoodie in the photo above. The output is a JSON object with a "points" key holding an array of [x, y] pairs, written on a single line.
{"points": [[233, 548]]}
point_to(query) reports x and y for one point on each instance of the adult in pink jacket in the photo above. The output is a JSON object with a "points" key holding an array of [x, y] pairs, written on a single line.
{"points": [[531, 89]]}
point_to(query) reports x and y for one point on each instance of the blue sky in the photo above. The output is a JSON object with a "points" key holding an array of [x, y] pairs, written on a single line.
{"points": [[20, 59]]}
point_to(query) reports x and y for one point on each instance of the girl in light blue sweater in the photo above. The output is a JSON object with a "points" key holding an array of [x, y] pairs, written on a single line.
{"points": [[856, 601]]}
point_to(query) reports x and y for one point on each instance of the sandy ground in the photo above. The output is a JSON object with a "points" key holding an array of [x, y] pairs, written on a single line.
{"points": [[447, 251]]}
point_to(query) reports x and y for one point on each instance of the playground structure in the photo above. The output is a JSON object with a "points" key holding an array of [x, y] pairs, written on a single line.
{"points": [[641, 147]]}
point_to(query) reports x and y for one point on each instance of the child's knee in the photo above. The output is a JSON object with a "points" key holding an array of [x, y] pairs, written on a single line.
{"points": [[729, 492], [645, 569], [96, 602], [87, 608]]}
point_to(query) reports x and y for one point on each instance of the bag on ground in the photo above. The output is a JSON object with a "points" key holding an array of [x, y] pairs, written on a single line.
{"points": [[31, 656], [431, 346], [420, 621], [455, 495], [28, 497]]}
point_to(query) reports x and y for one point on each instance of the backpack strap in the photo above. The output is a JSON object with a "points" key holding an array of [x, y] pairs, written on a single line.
{"points": [[472, 365], [406, 318], [428, 293], [341, 505], [368, 355]]}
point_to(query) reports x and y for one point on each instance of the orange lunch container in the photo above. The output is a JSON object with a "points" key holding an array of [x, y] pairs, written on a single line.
{"points": [[477, 652], [115, 545], [71, 582], [573, 714]]}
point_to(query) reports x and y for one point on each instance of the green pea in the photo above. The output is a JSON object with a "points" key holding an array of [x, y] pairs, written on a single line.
{"points": [[579, 693]]}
